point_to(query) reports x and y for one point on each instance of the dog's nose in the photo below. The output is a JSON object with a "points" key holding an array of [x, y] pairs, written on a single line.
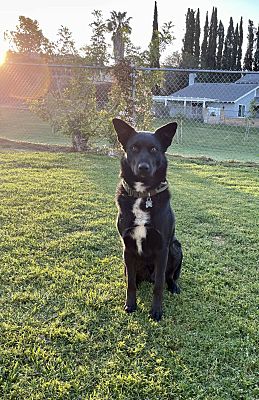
{"points": [[144, 168]]}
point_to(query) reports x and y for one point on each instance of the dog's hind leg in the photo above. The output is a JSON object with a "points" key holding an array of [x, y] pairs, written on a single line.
{"points": [[174, 266]]}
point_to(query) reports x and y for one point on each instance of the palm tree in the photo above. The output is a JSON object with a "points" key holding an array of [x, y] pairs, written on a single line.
{"points": [[118, 24]]}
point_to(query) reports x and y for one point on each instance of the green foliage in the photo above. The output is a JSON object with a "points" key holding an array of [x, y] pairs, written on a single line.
{"points": [[97, 52], [227, 58], [131, 95], [256, 54], [65, 45], [191, 48], [248, 59], [253, 108], [188, 42], [196, 45], [212, 42], [74, 111], [154, 50], [204, 46], [240, 44], [28, 38], [64, 334], [119, 26], [154, 46], [160, 39], [220, 45]]}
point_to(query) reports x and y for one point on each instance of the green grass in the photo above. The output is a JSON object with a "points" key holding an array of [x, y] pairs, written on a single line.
{"points": [[23, 125], [219, 142], [64, 334]]}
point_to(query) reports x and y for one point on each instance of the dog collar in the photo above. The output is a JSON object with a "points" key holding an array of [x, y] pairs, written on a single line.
{"points": [[146, 193]]}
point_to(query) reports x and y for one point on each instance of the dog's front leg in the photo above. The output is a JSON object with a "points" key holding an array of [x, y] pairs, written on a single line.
{"points": [[130, 304], [160, 267]]}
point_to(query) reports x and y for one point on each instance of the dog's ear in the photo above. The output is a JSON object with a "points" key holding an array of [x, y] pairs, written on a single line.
{"points": [[124, 131], [165, 134]]}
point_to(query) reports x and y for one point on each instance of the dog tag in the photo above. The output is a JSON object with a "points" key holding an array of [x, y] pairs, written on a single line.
{"points": [[149, 202]]}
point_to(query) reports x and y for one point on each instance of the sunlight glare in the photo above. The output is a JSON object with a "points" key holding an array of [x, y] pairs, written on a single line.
{"points": [[3, 55]]}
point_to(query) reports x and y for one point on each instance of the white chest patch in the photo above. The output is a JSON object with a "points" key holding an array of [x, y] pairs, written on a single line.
{"points": [[141, 219], [139, 187]]}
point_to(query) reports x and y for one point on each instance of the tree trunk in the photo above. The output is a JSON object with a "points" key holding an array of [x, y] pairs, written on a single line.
{"points": [[79, 142]]}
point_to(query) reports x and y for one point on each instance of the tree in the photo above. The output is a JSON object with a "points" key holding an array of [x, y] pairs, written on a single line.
{"points": [[65, 45], [74, 111], [248, 59], [204, 46], [174, 60], [256, 54], [240, 44], [227, 57], [135, 106], [120, 28], [28, 38], [160, 39], [235, 49], [188, 41], [174, 80], [97, 52], [196, 45], [154, 47], [135, 56], [212, 43], [220, 45]]}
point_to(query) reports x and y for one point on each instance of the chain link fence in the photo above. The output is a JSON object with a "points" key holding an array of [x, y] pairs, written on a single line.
{"points": [[217, 111]]}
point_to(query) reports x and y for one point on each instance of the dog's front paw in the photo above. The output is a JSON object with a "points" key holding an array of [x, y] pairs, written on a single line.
{"points": [[156, 313], [129, 308]]}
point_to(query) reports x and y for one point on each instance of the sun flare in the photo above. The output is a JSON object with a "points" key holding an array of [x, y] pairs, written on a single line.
{"points": [[3, 55]]}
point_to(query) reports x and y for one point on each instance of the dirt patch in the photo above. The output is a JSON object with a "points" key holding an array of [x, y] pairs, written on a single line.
{"points": [[6, 144]]}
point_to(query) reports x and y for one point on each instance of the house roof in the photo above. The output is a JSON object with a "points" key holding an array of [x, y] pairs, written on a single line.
{"points": [[249, 78], [223, 92]]}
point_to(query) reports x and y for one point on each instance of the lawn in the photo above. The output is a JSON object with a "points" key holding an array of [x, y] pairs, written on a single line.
{"points": [[64, 334], [219, 142], [22, 125]]}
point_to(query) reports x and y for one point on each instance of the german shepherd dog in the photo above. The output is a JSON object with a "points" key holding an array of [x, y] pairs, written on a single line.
{"points": [[146, 221]]}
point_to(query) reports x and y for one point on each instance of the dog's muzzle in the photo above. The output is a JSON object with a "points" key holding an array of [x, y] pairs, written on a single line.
{"points": [[144, 169]]}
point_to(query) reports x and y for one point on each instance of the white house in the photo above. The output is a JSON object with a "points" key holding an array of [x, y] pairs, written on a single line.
{"points": [[214, 102]]}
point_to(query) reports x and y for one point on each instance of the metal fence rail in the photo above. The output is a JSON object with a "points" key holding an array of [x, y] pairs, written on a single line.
{"points": [[217, 111]]}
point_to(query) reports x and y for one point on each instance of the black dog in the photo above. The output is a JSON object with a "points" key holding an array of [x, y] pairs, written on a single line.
{"points": [[146, 221]]}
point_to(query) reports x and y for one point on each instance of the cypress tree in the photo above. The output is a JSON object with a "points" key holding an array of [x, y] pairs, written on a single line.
{"points": [[211, 53], [235, 47], [188, 41], [204, 46], [154, 47], [240, 44], [228, 47], [220, 45], [248, 60], [256, 55], [197, 33]]}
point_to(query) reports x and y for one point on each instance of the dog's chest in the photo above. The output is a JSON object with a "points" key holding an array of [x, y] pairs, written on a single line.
{"points": [[141, 219]]}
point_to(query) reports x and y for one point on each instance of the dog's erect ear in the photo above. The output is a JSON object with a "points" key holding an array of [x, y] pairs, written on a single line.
{"points": [[124, 131], [165, 134]]}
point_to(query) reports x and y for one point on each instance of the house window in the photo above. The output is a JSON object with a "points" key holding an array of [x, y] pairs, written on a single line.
{"points": [[241, 110]]}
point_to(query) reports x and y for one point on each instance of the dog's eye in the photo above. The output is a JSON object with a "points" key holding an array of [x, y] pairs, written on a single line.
{"points": [[134, 148], [153, 149]]}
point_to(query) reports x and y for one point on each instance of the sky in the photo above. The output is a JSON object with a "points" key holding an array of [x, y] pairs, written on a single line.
{"points": [[76, 15]]}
